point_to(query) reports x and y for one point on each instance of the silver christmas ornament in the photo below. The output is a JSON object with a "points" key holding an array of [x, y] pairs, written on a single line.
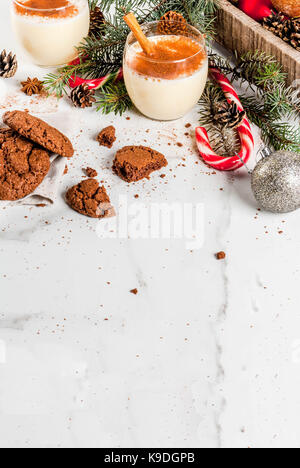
{"points": [[276, 182]]}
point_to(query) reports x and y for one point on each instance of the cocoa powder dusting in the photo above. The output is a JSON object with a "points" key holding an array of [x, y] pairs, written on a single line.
{"points": [[174, 56], [45, 9]]}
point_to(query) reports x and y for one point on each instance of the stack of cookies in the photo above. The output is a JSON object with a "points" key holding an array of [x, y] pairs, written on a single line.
{"points": [[25, 148], [26, 145]]}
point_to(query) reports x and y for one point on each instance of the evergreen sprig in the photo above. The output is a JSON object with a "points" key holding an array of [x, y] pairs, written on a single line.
{"points": [[254, 68], [113, 98], [58, 84], [275, 133]]}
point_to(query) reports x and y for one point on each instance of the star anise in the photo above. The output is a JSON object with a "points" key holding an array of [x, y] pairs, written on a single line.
{"points": [[32, 86]]}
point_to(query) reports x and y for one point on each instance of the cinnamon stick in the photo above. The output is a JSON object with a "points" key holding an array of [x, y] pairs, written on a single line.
{"points": [[144, 42]]}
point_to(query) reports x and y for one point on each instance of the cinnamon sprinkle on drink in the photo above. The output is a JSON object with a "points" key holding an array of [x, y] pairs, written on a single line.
{"points": [[45, 9]]}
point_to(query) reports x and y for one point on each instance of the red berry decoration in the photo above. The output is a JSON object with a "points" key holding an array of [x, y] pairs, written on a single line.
{"points": [[256, 9]]}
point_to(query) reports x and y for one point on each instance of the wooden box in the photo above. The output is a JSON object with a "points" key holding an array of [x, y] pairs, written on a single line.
{"points": [[237, 31]]}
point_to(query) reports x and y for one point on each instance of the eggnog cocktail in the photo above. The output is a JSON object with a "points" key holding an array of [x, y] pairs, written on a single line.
{"points": [[168, 84], [50, 30]]}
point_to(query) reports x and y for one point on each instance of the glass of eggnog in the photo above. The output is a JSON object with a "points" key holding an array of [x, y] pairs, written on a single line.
{"points": [[50, 30], [169, 83]]}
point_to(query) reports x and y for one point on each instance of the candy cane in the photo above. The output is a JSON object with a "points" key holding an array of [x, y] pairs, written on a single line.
{"points": [[97, 83], [244, 130]]}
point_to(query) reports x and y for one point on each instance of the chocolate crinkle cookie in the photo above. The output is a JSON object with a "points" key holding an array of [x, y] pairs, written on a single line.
{"points": [[107, 136], [23, 166], [39, 132], [133, 163], [89, 199]]}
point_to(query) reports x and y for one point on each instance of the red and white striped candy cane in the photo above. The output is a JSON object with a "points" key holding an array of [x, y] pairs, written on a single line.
{"points": [[95, 83], [98, 82], [245, 133]]}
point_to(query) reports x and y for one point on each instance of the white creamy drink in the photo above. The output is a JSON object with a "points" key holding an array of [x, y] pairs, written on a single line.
{"points": [[165, 89], [50, 30]]}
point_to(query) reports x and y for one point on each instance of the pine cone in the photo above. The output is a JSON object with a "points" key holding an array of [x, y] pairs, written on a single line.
{"points": [[8, 64], [287, 30], [82, 96], [228, 115], [172, 23], [97, 22], [273, 22]]}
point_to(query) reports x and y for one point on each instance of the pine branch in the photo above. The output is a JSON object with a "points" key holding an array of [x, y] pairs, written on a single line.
{"points": [[265, 76], [58, 84], [275, 134], [257, 69], [260, 70], [114, 98], [283, 102]]}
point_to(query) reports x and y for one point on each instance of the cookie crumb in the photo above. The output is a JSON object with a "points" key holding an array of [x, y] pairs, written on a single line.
{"points": [[90, 172], [134, 291], [221, 255], [133, 163], [107, 136], [66, 170]]}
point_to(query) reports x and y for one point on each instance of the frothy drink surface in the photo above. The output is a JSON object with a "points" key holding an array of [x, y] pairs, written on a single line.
{"points": [[173, 57], [65, 8]]}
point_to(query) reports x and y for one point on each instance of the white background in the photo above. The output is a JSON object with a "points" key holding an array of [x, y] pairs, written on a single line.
{"points": [[206, 355]]}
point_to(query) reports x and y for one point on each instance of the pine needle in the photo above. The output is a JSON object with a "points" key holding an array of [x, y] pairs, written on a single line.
{"points": [[275, 134], [114, 98]]}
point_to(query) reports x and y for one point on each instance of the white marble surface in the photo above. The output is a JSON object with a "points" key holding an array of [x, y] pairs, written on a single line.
{"points": [[206, 355]]}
